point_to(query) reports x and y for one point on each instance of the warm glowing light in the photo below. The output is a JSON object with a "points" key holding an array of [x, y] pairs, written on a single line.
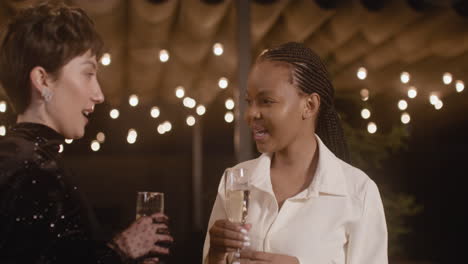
{"points": [[155, 112], [372, 127], [189, 102], [68, 141], [161, 129], [447, 78], [218, 49], [163, 55], [95, 146], [2, 130], [132, 136], [405, 118], [3, 106], [459, 85], [201, 110], [229, 117], [114, 113], [365, 113], [180, 92], [190, 120], [433, 99], [106, 59], [223, 83], [229, 104], [364, 94], [61, 148], [101, 137], [133, 100], [405, 77], [167, 126], [402, 105], [412, 92], [362, 73], [438, 105]]}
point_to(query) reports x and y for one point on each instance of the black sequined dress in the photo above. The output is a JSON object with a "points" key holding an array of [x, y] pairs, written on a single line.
{"points": [[42, 216]]}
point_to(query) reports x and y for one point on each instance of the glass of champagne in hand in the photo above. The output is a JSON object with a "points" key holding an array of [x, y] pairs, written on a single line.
{"points": [[149, 203], [237, 191]]}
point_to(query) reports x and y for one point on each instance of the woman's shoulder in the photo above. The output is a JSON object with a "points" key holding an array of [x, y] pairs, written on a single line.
{"points": [[357, 181]]}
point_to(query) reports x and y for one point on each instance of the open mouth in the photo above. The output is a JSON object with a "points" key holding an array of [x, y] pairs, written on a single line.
{"points": [[259, 132], [87, 113]]}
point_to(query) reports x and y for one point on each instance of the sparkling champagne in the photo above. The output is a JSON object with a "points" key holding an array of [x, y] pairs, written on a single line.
{"points": [[237, 205]]}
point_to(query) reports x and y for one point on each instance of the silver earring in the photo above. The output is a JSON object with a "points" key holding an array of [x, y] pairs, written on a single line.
{"points": [[47, 94]]}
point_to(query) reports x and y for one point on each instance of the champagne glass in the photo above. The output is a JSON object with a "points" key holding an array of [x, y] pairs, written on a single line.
{"points": [[149, 203], [237, 191]]}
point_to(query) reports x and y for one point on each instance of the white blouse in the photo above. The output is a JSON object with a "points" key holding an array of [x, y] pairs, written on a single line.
{"points": [[338, 219]]}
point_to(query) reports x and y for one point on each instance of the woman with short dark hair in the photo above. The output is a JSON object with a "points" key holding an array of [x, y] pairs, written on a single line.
{"points": [[48, 68]]}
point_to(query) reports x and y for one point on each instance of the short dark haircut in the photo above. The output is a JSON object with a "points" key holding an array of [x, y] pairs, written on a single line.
{"points": [[47, 35], [310, 75]]}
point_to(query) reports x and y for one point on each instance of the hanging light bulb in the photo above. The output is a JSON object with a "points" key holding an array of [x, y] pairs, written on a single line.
{"points": [[95, 146], [405, 118], [229, 104], [114, 113], [438, 105], [133, 100], [223, 83], [61, 148], [229, 117], [101, 137], [155, 112], [402, 105], [201, 110], [190, 120], [106, 59], [412, 92], [218, 49], [189, 102], [161, 129], [68, 141], [163, 55], [365, 113], [364, 94], [372, 127], [433, 99], [167, 126], [459, 85], [405, 77], [3, 106], [362, 73], [447, 78], [132, 136], [2, 131], [180, 92]]}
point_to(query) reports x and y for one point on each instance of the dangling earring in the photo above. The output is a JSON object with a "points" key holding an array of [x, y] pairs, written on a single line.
{"points": [[47, 94]]}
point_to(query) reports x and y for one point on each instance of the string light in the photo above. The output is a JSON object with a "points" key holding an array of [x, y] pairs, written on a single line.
{"points": [[229, 117], [201, 110], [412, 92], [189, 102], [68, 141], [402, 104], [229, 104], [364, 94], [372, 128], [133, 100], [132, 136], [438, 105], [2, 131], [218, 49], [223, 83], [114, 113], [167, 126], [405, 77], [180, 92], [447, 78], [163, 55], [433, 99], [365, 113], [101, 137], [155, 112], [3, 106], [405, 118], [106, 59], [161, 129], [190, 120], [95, 146], [459, 85], [362, 73], [61, 148]]}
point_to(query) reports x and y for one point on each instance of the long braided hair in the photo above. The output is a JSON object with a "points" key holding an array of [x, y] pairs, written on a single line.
{"points": [[311, 76]]}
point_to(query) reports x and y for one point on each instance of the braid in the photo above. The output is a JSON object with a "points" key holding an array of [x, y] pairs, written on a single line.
{"points": [[311, 76]]}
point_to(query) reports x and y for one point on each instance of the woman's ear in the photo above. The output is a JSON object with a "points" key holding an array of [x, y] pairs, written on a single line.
{"points": [[41, 83], [311, 107]]}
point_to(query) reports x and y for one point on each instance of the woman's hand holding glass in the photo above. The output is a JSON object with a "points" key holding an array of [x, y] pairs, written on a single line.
{"points": [[227, 237]]}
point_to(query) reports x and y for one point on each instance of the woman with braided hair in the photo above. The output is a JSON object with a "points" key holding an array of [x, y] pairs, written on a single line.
{"points": [[307, 204]]}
